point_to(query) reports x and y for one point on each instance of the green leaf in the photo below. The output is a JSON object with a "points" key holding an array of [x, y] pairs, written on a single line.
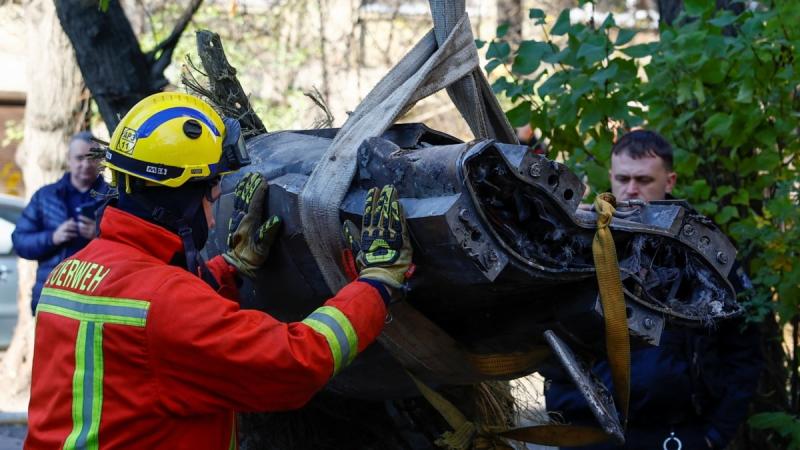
{"points": [[597, 174], [684, 91], [590, 116], [602, 76], [699, 190], [713, 71], [602, 146], [723, 191], [726, 215], [502, 30], [498, 49], [706, 208], [103, 5], [767, 161], [580, 85], [719, 124], [536, 13], [529, 56], [640, 51], [608, 22], [742, 197], [697, 7], [554, 84], [723, 20], [562, 24], [624, 36], [566, 112], [520, 115], [479, 43], [699, 91], [745, 94], [782, 422], [591, 53], [556, 57], [491, 65]]}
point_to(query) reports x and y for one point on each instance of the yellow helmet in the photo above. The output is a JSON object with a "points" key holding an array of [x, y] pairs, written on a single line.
{"points": [[170, 138]]}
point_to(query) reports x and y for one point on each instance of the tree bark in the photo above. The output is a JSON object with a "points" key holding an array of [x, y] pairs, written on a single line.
{"points": [[57, 107], [116, 71], [668, 10], [226, 91], [510, 12]]}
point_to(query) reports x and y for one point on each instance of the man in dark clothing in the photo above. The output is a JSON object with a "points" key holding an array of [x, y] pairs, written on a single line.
{"points": [[691, 391], [60, 218]]}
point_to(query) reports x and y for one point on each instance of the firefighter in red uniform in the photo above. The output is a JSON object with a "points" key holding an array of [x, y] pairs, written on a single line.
{"points": [[141, 345]]}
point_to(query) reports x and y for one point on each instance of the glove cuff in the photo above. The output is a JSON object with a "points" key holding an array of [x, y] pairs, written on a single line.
{"points": [[388, 277], [386, 295], [241, 267]]}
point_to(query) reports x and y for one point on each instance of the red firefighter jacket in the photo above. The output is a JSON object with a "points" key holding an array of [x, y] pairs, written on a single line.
{"points": [[131, 352]]}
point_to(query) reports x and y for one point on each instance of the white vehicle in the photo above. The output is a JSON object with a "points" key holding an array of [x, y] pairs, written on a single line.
{"points": [[10, 209]]}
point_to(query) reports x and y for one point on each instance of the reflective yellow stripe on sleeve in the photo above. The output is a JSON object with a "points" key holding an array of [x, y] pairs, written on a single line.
{"points": [[338, 331]]}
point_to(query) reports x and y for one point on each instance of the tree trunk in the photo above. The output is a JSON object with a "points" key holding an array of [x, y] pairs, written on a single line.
{"points": [[57, 106], [510, 12], [116, 71], [669, 10]]}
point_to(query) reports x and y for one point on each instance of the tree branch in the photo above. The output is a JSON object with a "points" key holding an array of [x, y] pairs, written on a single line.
{"points": [[225, 90], [167, 46]]}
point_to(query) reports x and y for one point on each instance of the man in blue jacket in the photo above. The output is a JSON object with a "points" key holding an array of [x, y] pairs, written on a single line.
{"points": [[698, 382], [60, 218]]}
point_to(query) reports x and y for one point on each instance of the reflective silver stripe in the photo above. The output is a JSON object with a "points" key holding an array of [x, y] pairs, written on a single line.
{"points": [[341, 337], [94, 309], [103, 310]]}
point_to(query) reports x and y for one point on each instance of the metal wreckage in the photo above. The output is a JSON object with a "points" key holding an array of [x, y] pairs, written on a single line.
{"points": [[505, 279], [503, 256]]}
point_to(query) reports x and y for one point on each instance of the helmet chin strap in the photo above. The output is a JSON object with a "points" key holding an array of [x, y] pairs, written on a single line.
{"points": [[180, 223], [194, 262]]}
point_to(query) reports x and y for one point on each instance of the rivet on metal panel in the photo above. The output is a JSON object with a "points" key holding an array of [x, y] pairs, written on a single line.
{"points": [[536, 169], [722, 258]]}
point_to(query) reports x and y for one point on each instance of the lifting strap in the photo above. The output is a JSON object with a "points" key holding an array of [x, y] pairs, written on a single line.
{"points": [[618, 346], [445, 57]]}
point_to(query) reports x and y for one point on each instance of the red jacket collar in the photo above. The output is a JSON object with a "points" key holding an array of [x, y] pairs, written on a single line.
{"points": [[120, 226]]}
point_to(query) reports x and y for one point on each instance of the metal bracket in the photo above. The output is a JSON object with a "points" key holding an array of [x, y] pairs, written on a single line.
{"points": [[597, 396]]}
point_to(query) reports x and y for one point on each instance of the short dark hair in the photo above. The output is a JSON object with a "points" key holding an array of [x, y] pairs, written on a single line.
{"points": [[642, 144]]}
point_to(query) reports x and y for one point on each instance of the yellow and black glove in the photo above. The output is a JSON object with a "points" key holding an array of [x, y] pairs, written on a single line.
{"points": [[383, 252], [249, 237]]}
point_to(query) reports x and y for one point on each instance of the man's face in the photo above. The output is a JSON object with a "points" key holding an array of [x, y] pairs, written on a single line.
{"points": [[643, 179], [83, 170], [214, 192]]}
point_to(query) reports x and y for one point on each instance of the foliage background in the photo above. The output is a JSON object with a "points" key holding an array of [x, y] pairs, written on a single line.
{"points": [[722, 86]]}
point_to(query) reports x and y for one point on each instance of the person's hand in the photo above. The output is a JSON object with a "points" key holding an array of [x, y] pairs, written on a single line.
{"points": [[86, 227], [67, 231], [383, 252], [249, 236]]}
